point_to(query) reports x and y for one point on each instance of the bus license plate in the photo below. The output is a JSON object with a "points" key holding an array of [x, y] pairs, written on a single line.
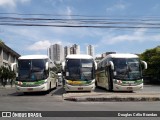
{"points": [[129, 88], [80, 88], [30, 89]]}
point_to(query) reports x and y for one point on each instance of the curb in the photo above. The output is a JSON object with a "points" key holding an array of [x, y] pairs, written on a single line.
{"points": [[112, 99], [112, 96]]}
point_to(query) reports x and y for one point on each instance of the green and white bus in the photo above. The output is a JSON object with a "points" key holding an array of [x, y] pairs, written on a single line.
{"points": [[79, 72], [36, 73], [120, 72]]}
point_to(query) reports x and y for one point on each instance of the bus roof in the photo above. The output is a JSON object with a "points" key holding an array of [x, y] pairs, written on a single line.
{"points": [[122, 55], [34, 57], [79, 56]]}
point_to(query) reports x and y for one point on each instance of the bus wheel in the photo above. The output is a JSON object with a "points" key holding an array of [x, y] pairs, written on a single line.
{"points": [[96, 84], [110, 87], [56, 84], [110, 84], [25, 93], [49, 90]]}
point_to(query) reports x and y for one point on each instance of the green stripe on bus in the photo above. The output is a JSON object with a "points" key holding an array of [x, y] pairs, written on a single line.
{"points": [[31, 83], [136, 81]]}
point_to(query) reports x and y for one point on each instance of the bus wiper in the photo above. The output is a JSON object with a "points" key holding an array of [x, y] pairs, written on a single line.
{"points": [[72, 78], [83, 77]]}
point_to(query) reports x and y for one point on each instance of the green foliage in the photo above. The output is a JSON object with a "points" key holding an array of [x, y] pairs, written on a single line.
{"points": [[152, 57], [6, 74]]}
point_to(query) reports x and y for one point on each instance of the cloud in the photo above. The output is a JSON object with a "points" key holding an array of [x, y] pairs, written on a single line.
{"points": [[12, 3], [123, 38], [156, 7], [117, 7], [44, 44], [69, 11], [139, 35], [40, 45], [24, 1]]}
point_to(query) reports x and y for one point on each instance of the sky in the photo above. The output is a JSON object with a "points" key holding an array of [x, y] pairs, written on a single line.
{"points": [[124, 26]]}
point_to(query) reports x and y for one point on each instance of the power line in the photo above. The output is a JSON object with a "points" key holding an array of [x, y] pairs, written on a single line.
{"points": [[81, 22], [81, 26]]}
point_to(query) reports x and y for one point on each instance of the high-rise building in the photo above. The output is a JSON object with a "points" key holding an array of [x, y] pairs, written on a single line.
{"points": [[75, 49], [66, 51], [56, 53], [90, 50]]}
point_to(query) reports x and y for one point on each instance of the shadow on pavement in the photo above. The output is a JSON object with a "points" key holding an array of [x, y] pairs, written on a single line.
{"points": [[59, 91], [103, 90], [30, 93]]}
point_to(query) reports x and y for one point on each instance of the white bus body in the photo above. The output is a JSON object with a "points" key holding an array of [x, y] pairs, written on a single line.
{"points": [[120, 72], [35, 73], [79, 73]]}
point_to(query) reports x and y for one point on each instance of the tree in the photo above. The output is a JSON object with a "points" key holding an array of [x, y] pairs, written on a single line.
{"points": [[11, 76], [6, 74], [152, 57]]}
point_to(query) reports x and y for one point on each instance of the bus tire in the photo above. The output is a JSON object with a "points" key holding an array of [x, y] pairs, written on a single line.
{"points": [[49, 90], [96, 84], [57, 83], [110, 88], [110, 81], [25, 93]]}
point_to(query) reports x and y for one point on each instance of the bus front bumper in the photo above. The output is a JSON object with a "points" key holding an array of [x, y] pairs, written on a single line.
{"points": [[79, 88], [117, 87], [32, 89]]}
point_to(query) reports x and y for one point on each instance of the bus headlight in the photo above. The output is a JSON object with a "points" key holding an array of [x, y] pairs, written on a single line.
{"points": [[69, 82], [119, 82]]}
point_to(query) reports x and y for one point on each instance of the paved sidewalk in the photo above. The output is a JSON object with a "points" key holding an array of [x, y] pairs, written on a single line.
{"points": [[7, 87], [111, 96]]}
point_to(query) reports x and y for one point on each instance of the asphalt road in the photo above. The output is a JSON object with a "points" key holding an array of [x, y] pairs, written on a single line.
{"points": [[59, 91], [11, 101]]}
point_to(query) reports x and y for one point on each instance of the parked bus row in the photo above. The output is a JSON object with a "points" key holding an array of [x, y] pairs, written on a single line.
{"points": [[115, 72], [120, 72], [35, 73]]}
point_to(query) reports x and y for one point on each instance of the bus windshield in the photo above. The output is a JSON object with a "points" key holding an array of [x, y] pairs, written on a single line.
{"points": [[31, 70], [127, 68], [80, 69]]}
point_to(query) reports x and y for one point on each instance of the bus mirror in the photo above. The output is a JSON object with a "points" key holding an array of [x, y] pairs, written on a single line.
{"points": [[16, 74], [13, 66], [145, 64], [112, 65], [47, 65], [63, 66], [95, 65]]}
